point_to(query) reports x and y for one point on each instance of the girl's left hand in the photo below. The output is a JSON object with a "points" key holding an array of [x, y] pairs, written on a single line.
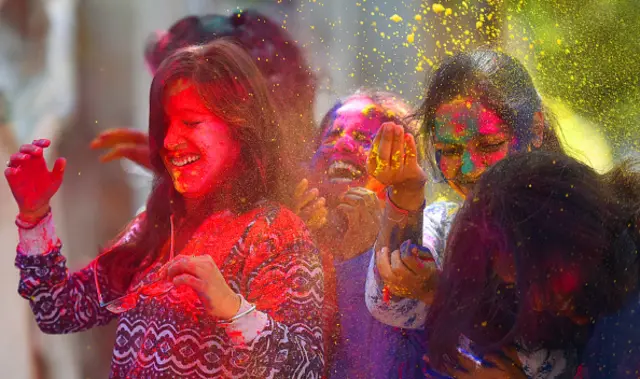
{"points": [[203, 276]]}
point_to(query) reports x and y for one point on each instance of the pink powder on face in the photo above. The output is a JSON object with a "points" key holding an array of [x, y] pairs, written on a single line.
{"points": [[490, 123]]}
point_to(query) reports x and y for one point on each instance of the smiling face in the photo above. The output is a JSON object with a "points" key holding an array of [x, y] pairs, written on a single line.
{"points": [[199, 151], [468, 139], [340, 161]]}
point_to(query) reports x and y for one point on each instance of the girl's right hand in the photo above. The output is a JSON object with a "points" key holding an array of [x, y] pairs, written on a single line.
{"points": [[124, 143], [31, 182], [393, 161]]}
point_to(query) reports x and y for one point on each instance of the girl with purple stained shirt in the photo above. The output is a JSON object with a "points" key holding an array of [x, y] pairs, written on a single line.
{"points": [[364, 348]]}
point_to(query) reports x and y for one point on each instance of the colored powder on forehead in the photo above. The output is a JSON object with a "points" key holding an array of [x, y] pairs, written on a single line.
{"points": [[390, 114], [178, 86], [369, 110], [457, 120], [373, 110]]}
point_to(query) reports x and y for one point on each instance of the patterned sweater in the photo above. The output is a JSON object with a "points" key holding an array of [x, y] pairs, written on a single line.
{"points": [[275, 266]]}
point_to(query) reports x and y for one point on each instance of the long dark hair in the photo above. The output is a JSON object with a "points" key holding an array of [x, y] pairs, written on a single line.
{"points": [[233, 89], [281, 61], [545, 212], [499, 82]]}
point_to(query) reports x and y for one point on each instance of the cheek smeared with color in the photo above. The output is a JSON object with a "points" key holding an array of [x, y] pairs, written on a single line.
{"points": [[448, 166], [467, 163], [177, 182], [491, 159]]}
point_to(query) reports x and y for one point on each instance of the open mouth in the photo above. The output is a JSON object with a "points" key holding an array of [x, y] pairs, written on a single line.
{"points": [[184, 160], [344, 172]]}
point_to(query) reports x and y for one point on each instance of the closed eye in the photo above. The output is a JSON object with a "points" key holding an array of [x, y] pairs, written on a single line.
{"points": [[331, 135], [450, 151], [335, 132], [492, 147], [361, 137], [191, 123]]}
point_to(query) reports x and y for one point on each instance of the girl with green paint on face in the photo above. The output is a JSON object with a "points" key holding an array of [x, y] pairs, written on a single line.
{"points": [[479, 107]]}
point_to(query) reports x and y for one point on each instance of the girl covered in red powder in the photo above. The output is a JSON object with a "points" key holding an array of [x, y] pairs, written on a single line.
{"points": [[289, 80], [243, 296], [281, 61]]}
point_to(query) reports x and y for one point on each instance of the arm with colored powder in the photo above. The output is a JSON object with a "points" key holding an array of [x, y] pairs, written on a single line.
{"points": [[406, 303], [283, 337], [61, 302], [403, 272]]}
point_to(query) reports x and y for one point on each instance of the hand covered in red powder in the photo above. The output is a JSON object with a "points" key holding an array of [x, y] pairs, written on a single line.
{"points": [[31, 182], [203, 276], [123, 143]]}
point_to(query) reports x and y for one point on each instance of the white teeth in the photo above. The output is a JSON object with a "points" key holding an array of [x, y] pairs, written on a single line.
{"points": [[339, 167], [184, 160]]}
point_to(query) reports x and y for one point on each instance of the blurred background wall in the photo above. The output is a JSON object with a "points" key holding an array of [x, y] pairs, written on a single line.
{"points": [[71, 68]]}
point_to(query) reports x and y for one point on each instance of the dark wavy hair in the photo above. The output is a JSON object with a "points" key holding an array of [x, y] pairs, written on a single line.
{"points": [[547, 213], [233, 89], [290, 79], [500, 83]]}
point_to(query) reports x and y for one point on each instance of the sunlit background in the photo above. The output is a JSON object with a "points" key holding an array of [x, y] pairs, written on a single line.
{"points": [[70, 68]]}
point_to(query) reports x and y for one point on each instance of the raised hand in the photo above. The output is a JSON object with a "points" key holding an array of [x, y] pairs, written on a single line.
{"points": [[393, 161], [31, 182], [123, 143], [362, 210], [309, 206]]}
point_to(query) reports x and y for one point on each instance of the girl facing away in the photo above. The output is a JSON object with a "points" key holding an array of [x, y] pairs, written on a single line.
{"points": [[217, 279], [543, 255]]}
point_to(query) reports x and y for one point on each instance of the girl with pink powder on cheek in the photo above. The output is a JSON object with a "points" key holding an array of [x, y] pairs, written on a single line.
{"points": [[479, 108], [214, 260], [344, 207]]}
